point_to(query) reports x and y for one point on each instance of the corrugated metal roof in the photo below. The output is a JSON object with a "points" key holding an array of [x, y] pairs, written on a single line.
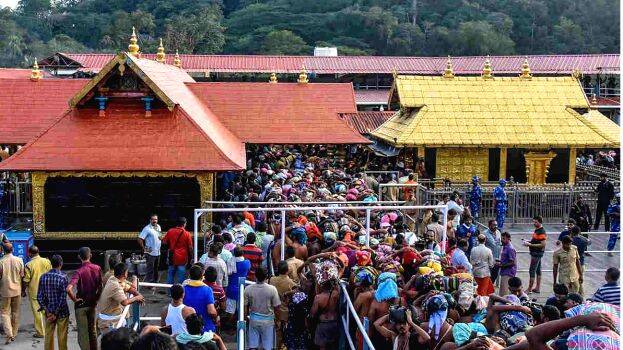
{"points": [[371, 97], [540, 64], [366, 121]]}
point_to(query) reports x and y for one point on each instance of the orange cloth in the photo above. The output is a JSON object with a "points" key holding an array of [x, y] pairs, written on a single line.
{"points": [[485, 286], [250, 217]]}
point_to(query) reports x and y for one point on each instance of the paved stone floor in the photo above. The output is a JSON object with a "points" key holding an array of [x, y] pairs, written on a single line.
{"points": [[592, 280]]}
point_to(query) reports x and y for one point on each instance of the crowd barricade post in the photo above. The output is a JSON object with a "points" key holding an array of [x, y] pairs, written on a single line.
{"points": [[368, 227], [283, 210], [241, 325], [283, 234], [345, 318]]}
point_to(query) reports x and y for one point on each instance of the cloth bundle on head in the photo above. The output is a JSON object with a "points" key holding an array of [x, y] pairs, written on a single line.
{"points": [[387, 287], [437, 310], [330, 236], [462, 332], [299, 234], [383, 252], [365, 273], [363, 257], [514, 322], [326, 271], [588, 308], [392, 266], [466, 293], [299, 297], [585, 339]]}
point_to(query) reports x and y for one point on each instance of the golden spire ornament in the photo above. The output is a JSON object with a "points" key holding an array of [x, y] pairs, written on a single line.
{"points": [[525, 70], [133, 48], [576, 73], [487, 71], [160, 56], [593, 98], [176, 60], [394, 73], [448, 73], [273, 78], [303, 76], [35, 74]]}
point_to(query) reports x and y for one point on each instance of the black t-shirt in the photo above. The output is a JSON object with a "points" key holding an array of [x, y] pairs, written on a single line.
{"points": [[538, 236]]}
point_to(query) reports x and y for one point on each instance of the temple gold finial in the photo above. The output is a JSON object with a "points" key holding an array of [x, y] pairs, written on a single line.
{"points": [[394, 73], [160, 56], [593, 98], [487, 71], [177, 61], [448, 73], [133, 48], [273, 78], [35, 74], [525, 70], [576, 73], [303, 76]]}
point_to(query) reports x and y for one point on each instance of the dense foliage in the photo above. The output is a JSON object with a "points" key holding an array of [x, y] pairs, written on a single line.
{"points": [[37, 28]]}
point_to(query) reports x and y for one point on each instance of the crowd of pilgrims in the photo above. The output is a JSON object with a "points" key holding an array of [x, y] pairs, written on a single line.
{"points": [[407, 283], [418, 283]]}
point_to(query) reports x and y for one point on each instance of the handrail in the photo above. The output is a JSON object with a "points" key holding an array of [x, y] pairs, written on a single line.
{"points": [[242, 325], [360, 326], [304, 203]]}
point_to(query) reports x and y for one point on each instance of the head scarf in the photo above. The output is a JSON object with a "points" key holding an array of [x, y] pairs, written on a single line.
{"points": [[514, 322], [330, 236], [299, 234], [364, 274], [437, 309], [462, 332], [387, 287], [466, 294], [363, 257], [326, 271]]}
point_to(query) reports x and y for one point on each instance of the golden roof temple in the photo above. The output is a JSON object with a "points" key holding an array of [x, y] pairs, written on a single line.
{"points": [[465, 119]]}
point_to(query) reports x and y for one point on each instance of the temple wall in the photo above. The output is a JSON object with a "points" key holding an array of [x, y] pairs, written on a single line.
{"points": [[461, 164]]}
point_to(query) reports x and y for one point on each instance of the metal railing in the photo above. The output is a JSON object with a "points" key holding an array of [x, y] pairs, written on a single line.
{"points": [[363, 328], [17, 196], [523, 204], [241, 326], [602, 91], [594, 172], [368, 210]]}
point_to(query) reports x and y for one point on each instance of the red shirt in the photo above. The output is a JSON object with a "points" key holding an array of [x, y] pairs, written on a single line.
{"points": [[88, 282], [219, 293], [254, 255], [178, 240]]}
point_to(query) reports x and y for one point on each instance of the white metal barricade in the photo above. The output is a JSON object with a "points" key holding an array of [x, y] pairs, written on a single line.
{"points": [[350, 311], [241, 326], [283, 210]]}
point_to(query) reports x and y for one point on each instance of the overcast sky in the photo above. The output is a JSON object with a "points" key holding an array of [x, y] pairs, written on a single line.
{"points": [[11, 3]]}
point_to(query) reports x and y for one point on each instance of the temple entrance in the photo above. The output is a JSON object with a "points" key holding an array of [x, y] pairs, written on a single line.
{"points": [[516, 165], [120, 204]]}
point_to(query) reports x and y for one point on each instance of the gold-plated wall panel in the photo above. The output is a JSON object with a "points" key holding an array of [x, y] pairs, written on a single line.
{"points": [[461, 164]]}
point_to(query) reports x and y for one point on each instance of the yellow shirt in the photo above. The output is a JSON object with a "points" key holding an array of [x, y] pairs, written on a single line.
{"points": [[35, 268], [567, 267]]}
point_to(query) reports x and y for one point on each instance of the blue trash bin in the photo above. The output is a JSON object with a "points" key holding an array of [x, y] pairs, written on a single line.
{"points": [[21, 240]]}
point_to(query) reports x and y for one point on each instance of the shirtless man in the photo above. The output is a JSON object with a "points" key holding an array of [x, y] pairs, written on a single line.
{"points": [[364, 299], [325, 310]]}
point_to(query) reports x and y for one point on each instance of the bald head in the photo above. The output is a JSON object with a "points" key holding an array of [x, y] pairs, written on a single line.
{"points": [[33, 251]]}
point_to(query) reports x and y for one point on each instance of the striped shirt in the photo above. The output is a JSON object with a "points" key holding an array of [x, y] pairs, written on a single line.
{"points": [[608, 293], [254, 255]]}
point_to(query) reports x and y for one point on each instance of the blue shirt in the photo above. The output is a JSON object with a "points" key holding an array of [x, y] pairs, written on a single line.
{"points": [[242, 270], [199, 297], [51, 295], [615, 221], [460, 259]]}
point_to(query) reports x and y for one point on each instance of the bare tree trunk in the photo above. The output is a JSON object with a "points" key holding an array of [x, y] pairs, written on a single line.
{"points": [[414, 10]]}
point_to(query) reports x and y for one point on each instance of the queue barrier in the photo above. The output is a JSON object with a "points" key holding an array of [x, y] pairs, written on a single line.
{"points": [[241, 326], [363, 328], [368, 210]]}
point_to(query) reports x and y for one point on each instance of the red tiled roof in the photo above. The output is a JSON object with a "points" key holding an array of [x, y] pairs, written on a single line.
{"points": [[371, 97], [283, 112], [539, 64], [171, 80], [123, 140], [18, 73], [366, 121], [28, 107]]}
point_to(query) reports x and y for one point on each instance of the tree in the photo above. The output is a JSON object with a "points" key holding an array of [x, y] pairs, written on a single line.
{"points": [[284, 42], [196, 32], [480, 38]]}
